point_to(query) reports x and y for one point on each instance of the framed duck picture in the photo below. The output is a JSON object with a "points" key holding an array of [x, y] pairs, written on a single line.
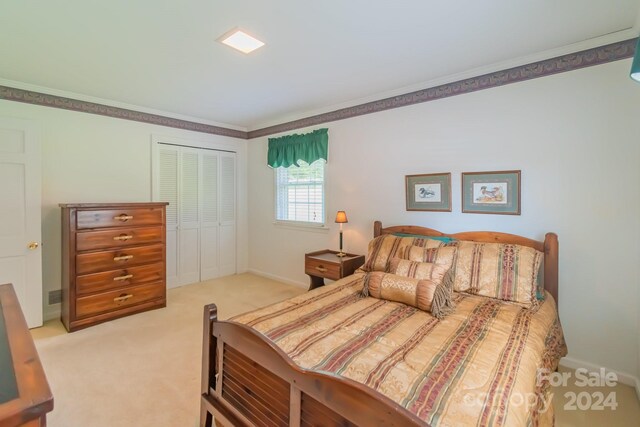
{"points": [[491, 192], [428, 192]]}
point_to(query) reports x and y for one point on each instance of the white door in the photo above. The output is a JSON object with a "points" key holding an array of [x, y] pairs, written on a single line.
{"points": [[200, 186], [189, 217], [227, 245], [218, 229], [210, 227], [167, 188], [20, 233]]}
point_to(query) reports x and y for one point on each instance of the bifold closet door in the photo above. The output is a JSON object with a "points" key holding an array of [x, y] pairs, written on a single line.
{"points": [[189, 217], [218, 227], [167, 191], [200, 186], [227, 214], [210, 242]]}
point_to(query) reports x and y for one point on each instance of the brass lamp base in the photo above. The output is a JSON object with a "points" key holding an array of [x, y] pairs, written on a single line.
{"points": [[341, 254]]}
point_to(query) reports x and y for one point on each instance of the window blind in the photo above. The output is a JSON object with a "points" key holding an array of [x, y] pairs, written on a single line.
{"points": [[300, 193]]}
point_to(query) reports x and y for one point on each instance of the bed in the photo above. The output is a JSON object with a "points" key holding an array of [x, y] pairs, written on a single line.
{"points": [[334, 357]]}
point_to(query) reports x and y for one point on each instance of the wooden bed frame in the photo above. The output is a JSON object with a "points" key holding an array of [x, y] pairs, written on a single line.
{"points": [[249, 381]]}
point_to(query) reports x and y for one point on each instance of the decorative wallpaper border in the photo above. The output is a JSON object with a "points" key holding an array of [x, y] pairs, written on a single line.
{"points": [[573, 61], [560, 64], [37, 98]]}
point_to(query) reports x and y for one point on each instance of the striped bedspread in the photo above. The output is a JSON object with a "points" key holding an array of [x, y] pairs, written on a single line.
{"points": [[476, 367]]}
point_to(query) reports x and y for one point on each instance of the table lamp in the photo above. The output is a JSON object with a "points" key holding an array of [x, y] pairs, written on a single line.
{"points": [[341, 218]]}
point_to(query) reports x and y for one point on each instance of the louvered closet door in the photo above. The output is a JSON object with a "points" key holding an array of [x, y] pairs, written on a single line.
{"points": [[227, 214], [189, 217], [168, 192], [200, 186], [209, 229]]}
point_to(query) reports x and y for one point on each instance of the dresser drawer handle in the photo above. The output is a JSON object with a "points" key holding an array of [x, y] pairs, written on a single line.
{"points": [[128, 276], [123, 237], [122, 298], [122, 258], [321, 269], [123, 217]]}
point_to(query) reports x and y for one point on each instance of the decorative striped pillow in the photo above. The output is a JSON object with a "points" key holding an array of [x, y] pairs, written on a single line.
{"points": [[425, 295], [496, 270], [444, 255], [383, 248], [418, 270]]}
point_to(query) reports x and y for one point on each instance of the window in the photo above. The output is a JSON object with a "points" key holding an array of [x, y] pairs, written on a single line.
{"points": [[300, 193]]}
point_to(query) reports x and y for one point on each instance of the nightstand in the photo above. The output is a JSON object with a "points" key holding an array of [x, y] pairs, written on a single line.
{"points": [[325, 264]]}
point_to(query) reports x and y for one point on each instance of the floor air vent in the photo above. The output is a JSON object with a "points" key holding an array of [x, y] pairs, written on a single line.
{"points": [[55, 297]]}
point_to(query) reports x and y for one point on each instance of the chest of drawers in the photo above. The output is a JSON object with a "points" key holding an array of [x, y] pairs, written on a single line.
{"points": [[113, 261]]}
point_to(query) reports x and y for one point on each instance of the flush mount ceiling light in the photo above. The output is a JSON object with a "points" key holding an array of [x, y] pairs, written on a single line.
{"points": [[240, 40]]}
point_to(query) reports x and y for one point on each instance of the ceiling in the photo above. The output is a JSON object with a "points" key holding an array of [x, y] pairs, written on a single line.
{"points": [[163, 54]]}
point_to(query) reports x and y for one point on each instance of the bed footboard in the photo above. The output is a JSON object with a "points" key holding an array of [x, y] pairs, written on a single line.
{"points": [[248, 381]]}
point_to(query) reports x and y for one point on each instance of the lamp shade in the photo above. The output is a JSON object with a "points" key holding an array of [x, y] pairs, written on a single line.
{"points": [[341, 217], [635, 67]]}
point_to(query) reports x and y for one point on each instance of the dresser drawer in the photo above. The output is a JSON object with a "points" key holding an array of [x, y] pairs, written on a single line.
{"points": [[113, 300], [118, 237], [119, 217], [320, 268], [96, 282], [118, 259]]}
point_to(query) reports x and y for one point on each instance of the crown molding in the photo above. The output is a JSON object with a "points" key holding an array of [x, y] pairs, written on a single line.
{"points": [[104, 101], [65, 103], [572, 48], [559, 64]]}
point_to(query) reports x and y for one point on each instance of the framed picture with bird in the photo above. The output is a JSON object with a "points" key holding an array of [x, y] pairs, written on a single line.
{"points": [[428, 192], [491, 192]]}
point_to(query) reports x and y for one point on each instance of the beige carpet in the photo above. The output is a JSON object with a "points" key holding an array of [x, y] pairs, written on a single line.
{"points": [[144, 370]]}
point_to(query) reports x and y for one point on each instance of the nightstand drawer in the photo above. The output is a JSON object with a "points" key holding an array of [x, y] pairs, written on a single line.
{"points": [[322, 268], [326, 264]]}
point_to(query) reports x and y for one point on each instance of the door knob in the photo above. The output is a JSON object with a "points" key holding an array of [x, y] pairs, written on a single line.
{"points": [[33, 246]]}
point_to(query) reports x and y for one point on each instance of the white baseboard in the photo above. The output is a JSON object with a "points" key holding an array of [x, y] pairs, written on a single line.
{"points": [[623, 377], [51, 312], [278, 278]]}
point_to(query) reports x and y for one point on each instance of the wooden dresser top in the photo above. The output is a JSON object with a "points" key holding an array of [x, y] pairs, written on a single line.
{"points": [[113, 205], [8, 385], [33, 398]]}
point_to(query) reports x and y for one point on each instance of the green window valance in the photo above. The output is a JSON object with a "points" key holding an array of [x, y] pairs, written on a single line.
{"points": [[289, 149]]}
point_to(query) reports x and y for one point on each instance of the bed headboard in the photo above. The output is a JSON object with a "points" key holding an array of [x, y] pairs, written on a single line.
{"points": [[549, 246]]}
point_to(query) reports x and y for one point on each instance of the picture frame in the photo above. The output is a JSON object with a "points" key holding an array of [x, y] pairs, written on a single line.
{"points": [[496, 192], [428, 192]]}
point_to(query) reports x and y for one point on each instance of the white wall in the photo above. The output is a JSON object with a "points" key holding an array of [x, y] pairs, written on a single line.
{"points": [[575, 136], [89, 158]]}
